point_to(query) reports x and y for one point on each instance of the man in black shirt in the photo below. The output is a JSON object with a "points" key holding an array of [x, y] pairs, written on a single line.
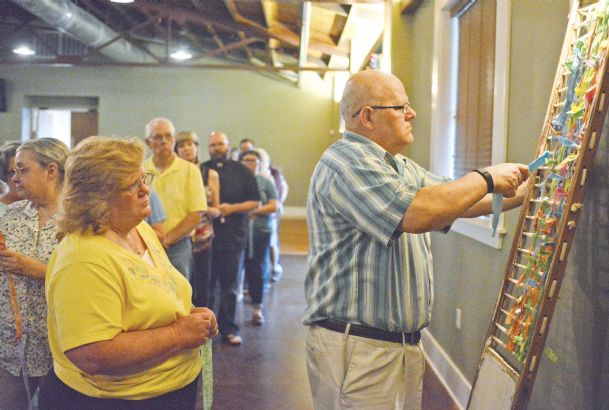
{"points": [[238, 195]]}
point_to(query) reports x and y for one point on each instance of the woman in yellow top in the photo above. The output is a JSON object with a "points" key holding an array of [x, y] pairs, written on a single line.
{"points": [[122, 329]]}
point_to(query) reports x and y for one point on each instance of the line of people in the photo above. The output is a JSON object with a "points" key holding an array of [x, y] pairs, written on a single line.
{"points": [[97, 310]]}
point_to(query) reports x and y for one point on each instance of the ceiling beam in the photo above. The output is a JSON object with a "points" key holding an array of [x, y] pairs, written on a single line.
{"points": [[237, 67], [269, 10], [22, 25], [281, 33], [219, 43], [123, 34], [305, 31], [248, 51], [285, 35], [232, 10], [182, 15], [232, 46]]}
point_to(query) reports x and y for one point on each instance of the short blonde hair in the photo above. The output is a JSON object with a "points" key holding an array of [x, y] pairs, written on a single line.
{"points": [[96, 169], [48, 151]]}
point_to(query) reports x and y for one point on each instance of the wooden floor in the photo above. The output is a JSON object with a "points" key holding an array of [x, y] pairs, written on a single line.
{"points": [[268, 371]]}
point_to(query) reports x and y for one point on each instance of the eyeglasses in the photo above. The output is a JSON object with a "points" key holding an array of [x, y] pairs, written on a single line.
{"points": [[146, 179], [250, 160], [161, 137], [19, 170], [404, 108]]}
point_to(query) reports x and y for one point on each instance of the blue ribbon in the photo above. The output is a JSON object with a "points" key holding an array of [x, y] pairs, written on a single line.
{"points": [[567, 142], [539, 161], [497, 207]]}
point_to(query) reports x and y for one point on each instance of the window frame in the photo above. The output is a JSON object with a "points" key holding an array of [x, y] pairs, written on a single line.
{"points": [[443, 93]]}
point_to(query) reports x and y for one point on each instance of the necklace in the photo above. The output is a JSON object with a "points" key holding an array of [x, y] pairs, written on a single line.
{"points": [[131, 241]]}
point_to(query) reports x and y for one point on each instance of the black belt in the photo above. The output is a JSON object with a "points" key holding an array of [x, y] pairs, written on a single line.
{"points": [[370, 332]]}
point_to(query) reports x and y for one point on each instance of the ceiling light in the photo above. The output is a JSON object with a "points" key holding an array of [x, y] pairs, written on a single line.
{"points": [[24, 51], [122, 1], [181, 55]]}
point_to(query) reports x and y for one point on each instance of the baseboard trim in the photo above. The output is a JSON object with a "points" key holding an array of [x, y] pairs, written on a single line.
{"points": [[450, 376], [294, 253], [294, 212]]}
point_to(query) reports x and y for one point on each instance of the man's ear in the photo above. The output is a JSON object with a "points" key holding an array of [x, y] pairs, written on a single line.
{"points": [[365, 118], [147, 140]]}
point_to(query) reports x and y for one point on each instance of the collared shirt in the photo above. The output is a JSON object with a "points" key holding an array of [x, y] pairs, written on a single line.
{"points": [[360, 268], [180, 188], [158, 212], [20, 226]]}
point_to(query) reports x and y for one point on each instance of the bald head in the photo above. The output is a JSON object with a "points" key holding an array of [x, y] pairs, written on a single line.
{"points": [[218, 136], [369, 87], [383, 111], [217, 145]]}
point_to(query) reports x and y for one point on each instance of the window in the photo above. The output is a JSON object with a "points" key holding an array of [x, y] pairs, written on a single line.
{"points": [[469, 95], [475, 80]]}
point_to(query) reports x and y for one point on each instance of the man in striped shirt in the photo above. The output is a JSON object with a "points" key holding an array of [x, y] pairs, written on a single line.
{"points": [[369, 286]]}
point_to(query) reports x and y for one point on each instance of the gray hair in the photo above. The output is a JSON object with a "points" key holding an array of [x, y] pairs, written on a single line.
{"points": [[265, 161], [153, 122], [7, 152], [48, 151]]}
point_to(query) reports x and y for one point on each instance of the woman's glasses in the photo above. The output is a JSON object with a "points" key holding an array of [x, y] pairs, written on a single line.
{"points": [[146, 179]]}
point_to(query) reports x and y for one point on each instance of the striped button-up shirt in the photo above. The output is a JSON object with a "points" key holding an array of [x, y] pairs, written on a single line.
{"points": [[360, 269]]}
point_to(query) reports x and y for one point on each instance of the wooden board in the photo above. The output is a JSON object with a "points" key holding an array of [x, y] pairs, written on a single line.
{"points": [[548, 220]]}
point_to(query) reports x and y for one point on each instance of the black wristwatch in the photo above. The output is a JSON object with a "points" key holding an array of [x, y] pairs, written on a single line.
{"points": [[490, 185]]}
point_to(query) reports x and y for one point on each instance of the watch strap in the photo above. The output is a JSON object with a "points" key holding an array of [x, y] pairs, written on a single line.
{"points": [[490, 185]]}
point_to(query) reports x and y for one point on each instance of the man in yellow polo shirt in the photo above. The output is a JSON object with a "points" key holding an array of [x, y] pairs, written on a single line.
{"points": [[180, 187]]}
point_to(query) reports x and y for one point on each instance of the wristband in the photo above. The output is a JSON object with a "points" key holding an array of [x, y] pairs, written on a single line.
{"points": [[490, 185]]}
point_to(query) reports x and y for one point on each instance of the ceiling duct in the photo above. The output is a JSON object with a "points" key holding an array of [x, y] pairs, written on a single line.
{"points": [[86, 28]]}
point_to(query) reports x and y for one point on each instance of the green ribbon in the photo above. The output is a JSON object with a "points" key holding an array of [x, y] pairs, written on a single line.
{"points": [[207, 375]]}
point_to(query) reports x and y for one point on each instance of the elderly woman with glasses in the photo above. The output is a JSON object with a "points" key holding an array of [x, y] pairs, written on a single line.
{"points": [[30, 233], [122, 328]]}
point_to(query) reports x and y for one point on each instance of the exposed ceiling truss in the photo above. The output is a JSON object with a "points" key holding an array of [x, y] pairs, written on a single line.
{"points": [[281, 37]]}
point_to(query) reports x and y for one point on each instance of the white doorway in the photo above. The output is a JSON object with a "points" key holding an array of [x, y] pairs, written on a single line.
{"points": [[69, 119]]}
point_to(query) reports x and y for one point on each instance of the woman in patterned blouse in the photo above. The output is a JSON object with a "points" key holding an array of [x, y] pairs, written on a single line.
{"points": [[30, 233]]}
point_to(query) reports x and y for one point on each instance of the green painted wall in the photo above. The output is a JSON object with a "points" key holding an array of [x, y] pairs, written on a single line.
{"points": [[293, 125], [468, 274], [411, 49]]}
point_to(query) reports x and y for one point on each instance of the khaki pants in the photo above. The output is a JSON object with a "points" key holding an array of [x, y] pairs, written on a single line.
{"points": [[352, 372]]}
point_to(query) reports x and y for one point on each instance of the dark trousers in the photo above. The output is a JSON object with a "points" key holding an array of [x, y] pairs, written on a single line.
{"points": [[201, 277], [257, 265], [56, 395], [224, 270]]}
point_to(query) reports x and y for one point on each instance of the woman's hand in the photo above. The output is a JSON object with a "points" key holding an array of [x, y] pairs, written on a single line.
{"points": [[194, 329], [213, 330], [20, 264]]}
